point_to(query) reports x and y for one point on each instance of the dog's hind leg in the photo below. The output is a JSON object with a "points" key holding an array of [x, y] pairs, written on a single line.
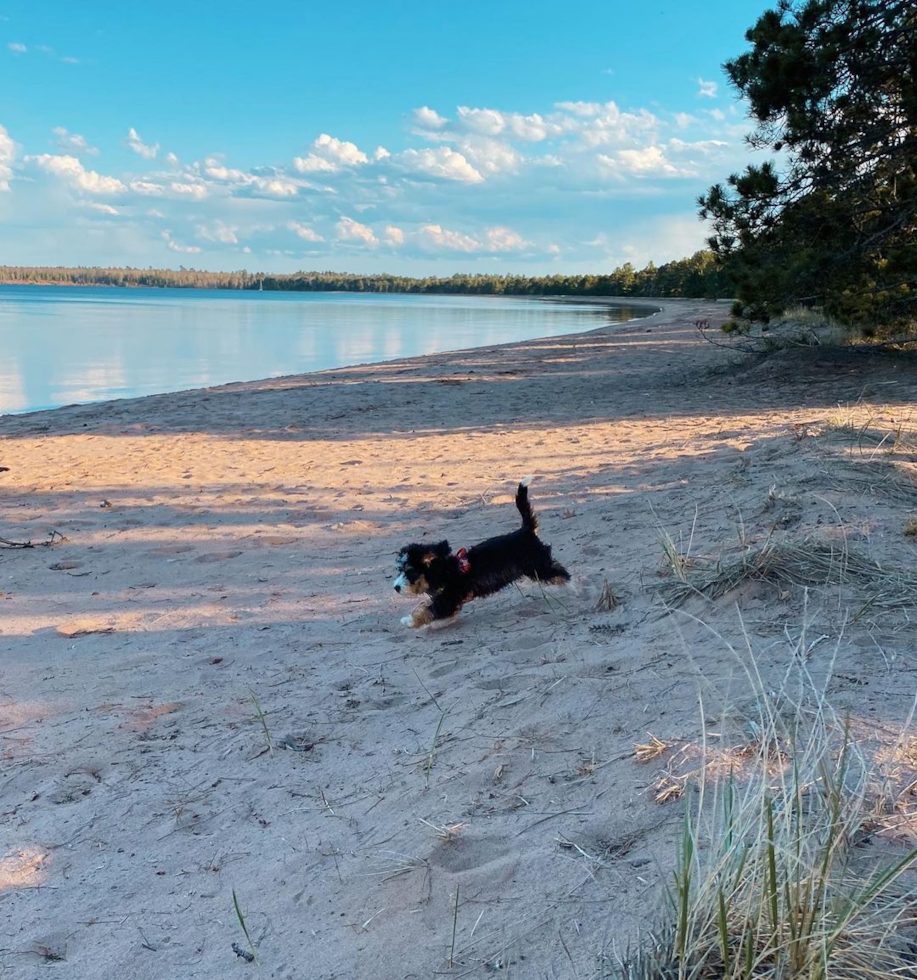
{"points": [[550, 572], [558, 574]]}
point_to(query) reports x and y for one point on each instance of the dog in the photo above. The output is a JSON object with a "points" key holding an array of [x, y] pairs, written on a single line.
{"points": [[451, 580]]}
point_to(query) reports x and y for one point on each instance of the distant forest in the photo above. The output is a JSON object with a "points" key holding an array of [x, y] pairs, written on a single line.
{"points": [[698, 276]]}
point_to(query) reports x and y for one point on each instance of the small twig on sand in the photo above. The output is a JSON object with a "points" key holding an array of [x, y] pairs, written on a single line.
{"points": [[54, 537]]}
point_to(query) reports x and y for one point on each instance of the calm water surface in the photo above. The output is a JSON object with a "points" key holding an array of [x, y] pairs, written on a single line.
{"points": [[60, 345]]}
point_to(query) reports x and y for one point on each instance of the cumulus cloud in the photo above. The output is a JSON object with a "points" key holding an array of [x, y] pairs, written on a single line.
{"points": [[73, 142], [706, 90], [330, 155], [194, 189], [493, 122], [139, 147], [437, 238], [583, 109], [218, 231], [441, 162], [178, 247], [306, 233], [584, 164], [7, 155], [650, 160], [505, 240], [427, 118], [70, 170], [269, 184], [349, 230], [487, 122], [490, 156]]}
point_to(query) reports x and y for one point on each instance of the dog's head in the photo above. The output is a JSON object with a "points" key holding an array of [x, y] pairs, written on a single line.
{"points": [[420, 567]]}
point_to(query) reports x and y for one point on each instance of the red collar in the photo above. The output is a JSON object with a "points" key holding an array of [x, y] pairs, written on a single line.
{"points": [[464, 564]]}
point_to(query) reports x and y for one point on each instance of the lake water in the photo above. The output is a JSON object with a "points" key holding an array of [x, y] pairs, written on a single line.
{"points": [[60, 345]]}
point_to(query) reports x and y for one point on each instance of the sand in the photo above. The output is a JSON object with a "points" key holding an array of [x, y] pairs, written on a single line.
{"points": [[206, 690]]}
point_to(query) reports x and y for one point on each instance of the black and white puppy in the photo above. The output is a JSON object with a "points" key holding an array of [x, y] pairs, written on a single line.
{"points": [[451, 580]]}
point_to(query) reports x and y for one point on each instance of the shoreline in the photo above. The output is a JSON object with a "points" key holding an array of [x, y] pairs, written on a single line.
{"points": [[208, 693], [594, 301]]}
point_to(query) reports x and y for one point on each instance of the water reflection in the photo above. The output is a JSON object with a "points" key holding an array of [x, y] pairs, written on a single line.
{"points": [[60, 345]]}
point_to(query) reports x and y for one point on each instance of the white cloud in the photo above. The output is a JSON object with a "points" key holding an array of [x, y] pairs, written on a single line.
{"points": [[304, 232], [427, 118], [437, 238], [487, 122], [147, 188], [647, 161], [275, 185], [213, 168], [73, 142], [505, 240], [441, 162], [177, 247], [7, 155], [574, 168], [492, 122], [330, 155], [17, 47], [218, 231], [706, 90], [532, 128], [609, 126], [70, 169], [139, 147], [103, 208], [349, 230], [584, 109], [196, 190], [490, 156]]}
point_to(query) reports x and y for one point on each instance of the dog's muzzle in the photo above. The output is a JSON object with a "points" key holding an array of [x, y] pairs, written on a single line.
{"points": [[400, 582]]}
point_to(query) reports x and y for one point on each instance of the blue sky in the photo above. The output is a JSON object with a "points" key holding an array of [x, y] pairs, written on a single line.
{"points": [[420, 138]]}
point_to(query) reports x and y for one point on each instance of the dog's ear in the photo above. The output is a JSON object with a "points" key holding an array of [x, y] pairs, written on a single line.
{"points": [[439, 550]]}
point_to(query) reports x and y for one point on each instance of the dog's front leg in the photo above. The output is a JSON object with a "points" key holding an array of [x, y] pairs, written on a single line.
{"points": [[444, 606], [419, 617]]}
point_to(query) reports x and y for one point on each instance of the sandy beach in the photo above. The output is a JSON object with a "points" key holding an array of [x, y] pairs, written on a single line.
{"points": [[206, 690]]}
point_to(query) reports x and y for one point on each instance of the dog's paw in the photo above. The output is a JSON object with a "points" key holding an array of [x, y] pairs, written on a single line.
{"points": [[407, 620]]}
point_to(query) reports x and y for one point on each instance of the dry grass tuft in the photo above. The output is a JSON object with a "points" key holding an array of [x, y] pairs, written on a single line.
{"points": [[608, 600], [879, 477], [447, 833], [910, 527], [769, 879], [648, 751], [811, 563]]}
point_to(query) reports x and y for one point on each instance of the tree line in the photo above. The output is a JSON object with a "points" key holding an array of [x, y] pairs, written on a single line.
{"points": [[698, 276]]}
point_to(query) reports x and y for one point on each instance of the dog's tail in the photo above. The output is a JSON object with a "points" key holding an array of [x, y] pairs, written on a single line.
{"points": [[529, 520]]}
